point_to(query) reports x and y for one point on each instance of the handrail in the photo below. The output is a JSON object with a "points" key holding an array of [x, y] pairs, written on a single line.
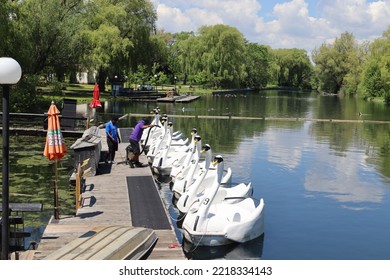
{"points": [[44, 115]]}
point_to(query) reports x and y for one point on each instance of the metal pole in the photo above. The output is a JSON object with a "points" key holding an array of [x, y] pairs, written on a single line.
{"points": [[5, 180], [56, 210]]}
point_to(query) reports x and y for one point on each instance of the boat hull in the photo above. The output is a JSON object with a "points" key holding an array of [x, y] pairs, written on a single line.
{"points": [[225, 223], [201, 239]]}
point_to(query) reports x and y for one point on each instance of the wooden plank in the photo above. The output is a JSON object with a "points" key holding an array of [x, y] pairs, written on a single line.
{"points": [[109, 243], [187, 99], [105, 203]]}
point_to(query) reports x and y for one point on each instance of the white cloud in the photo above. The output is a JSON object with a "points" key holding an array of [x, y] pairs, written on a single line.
{"points": [[294, 27], [339, 176], [173, 19], [293, 24]]}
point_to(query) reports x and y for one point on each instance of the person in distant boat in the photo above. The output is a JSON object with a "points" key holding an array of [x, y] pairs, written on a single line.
{"points": [[135, 138], [113, 139]]}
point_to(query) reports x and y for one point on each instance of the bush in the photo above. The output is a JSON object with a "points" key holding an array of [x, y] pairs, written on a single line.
{"points": [[57, 88], [386, 97], [24, 97]]}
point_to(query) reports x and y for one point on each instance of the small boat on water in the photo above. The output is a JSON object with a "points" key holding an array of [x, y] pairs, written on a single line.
{"points": [[109, 243], [212, 223]]}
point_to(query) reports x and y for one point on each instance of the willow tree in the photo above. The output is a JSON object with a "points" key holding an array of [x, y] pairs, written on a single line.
{"points": [[6, 18], [190, 52], [119, 33], [292, 68], [222, 55], [257, 64], [333, 62], [46, 35], [376, 71]]}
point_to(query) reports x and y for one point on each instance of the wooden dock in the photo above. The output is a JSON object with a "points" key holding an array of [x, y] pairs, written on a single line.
{"points": [[178, 98], [106, 203]]}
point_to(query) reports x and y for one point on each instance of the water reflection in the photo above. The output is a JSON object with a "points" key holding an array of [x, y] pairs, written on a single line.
{"points": [[251, 250], [344, 174], [321, 181], [235, 251]]}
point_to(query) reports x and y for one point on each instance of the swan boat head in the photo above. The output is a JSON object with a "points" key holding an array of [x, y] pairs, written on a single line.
{"points": [[191, 191], [185, 176]]}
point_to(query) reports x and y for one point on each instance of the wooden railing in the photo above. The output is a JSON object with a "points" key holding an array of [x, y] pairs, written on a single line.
{"points": [[36, 124], [81, 175]]}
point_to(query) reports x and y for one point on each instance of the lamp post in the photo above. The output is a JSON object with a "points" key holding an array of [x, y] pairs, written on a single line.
{"points": [[175, 82], [155, 81], [10, 74]]}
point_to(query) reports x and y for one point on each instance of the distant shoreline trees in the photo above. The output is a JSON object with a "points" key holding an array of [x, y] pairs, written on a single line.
{"points": [[55, 39]]}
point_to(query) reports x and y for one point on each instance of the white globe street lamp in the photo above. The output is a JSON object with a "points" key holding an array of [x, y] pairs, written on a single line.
{"points": [[155, 81], [10, 74]]}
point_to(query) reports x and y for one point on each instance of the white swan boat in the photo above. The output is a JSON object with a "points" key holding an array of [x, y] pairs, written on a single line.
{"points": [[202, 184], [196, 168], [181, 165], [157, 141], [166, 139], [212, 223], [169, 156], [185, 177], [151, 133]]}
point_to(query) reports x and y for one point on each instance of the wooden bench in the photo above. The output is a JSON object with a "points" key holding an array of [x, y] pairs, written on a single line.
{"points": [[17, 234]]}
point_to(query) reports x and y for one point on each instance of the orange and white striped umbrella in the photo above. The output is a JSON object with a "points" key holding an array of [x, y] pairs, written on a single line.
{"points": [[55, 147]]}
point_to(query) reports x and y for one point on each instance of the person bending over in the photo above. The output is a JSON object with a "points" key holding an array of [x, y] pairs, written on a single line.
{"points": [[135, 138]]}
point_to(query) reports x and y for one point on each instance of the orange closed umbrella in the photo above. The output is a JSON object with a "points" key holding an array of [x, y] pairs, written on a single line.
{"points": [[55, 147]]}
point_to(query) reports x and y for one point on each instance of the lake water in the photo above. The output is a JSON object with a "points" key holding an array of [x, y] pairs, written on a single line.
{"points": [[326, 185]]}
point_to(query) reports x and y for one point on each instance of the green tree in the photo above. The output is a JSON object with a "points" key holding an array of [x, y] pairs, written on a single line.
{"points": [[376, 71], [222, 55], [119, 33], [257, 64], [357, 60], [292, 68], [190, 52], [333, 62], [6, 19], [48, 38]]}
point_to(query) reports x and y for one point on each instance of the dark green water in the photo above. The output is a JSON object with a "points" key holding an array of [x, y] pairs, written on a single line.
{"points": [[326, 185]]}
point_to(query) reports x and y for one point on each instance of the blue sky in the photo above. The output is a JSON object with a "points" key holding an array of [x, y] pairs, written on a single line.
{"points": [[304, 24]]}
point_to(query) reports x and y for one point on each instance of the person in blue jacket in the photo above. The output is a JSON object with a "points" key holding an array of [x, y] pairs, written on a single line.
{"points": [[113, 139]]}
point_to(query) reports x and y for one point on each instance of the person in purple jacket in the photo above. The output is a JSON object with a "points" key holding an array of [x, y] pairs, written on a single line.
{"points": [[135, 138]]}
